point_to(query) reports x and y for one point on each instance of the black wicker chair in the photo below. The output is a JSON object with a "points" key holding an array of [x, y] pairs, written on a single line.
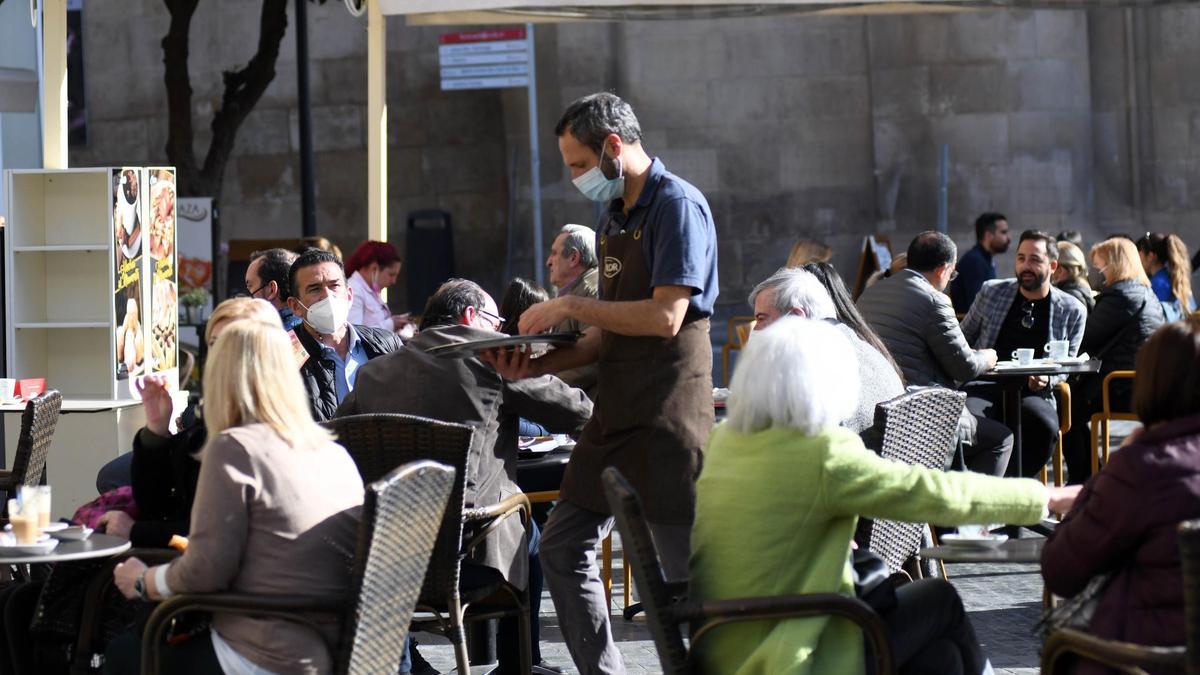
{"points": [[401, 517], [378, 442], [667, 607], [919, 427], [1133, 658], [33, 446]]}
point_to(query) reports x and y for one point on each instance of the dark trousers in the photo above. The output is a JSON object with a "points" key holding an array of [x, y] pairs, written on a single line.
{"points": [[194, 656], [930, 633], [17, 603], [990, 452], [1039, 423]]}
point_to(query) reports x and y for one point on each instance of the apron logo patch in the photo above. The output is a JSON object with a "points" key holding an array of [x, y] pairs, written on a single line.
{"points": [[612, 267]]}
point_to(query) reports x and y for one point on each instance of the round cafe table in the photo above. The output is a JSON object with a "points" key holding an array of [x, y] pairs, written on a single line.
{"points": [[1013, 551], [96, 546]]}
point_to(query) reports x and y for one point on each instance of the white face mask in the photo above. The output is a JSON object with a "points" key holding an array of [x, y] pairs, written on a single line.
{"points": [[328, 315], [600, 188]]}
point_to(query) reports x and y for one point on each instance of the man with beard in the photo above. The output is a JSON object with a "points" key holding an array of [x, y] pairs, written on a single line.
{"points": [[1026, 312], [976, 266]]}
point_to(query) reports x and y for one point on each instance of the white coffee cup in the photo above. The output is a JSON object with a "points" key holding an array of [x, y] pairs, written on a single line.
{"points": [[1023, 356], [8, 389], [1057, 349]]}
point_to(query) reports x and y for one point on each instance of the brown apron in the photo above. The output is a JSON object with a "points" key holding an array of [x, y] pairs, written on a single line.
{"points": [[654, 406]]}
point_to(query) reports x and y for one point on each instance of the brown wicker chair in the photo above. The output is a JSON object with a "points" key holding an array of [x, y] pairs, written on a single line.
{"points": [[667, 607], [401, 517], [919, 427], [33, 446], [1132, 658], [378, 442]]}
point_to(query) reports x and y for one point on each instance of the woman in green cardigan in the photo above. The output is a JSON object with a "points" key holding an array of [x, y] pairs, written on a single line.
{"points": [[781, 491]]}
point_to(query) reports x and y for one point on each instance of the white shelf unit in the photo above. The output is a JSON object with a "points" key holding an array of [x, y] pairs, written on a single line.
{"points": [[60, 274]]}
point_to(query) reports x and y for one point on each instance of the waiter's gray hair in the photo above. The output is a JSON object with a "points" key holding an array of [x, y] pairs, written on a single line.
{"points": [[798, 373], [797, 289], [583, 239]]}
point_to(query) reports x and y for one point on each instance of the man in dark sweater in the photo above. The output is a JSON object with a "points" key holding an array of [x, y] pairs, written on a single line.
{"points": [[976, 265]]}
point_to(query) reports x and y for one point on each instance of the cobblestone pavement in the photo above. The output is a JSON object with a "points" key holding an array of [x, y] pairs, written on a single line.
{"points": [[1003, 600]]}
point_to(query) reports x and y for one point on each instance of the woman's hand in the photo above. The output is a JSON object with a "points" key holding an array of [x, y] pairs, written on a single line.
{"points": [[400, 320], [156, 399], [1062, 498], [116, 523], [126, 574]]}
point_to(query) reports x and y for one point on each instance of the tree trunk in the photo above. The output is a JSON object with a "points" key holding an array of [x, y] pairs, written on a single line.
{"points": [[243, 89]]}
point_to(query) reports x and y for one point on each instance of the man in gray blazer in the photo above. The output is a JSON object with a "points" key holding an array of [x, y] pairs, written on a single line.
{"points": [[913, 316], [466, 391]]}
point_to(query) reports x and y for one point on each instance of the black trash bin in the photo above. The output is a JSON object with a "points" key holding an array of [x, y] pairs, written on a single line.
{"points": [[429, 255]]}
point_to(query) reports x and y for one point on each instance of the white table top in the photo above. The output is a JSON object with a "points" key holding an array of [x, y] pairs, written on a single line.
{"points": [[73, 405], [96, 546]]}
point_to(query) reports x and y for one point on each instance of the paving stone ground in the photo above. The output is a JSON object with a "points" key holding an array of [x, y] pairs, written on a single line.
{"points": [[1003, 600]]}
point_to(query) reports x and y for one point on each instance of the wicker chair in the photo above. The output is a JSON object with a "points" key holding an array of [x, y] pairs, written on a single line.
{"points": [[37, 430], [667, 607], [401, 517], [919, 427], [1132, 658], [378, 442]]}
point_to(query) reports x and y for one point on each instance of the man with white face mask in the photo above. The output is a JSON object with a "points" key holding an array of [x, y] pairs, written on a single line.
{"points": [[648, 331], [333, 349]]}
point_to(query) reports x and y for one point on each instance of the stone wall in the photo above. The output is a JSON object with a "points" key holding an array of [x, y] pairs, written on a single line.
{"points": [[817, 127]]}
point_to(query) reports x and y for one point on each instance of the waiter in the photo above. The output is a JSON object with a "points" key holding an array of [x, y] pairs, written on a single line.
{"points": [[649, 334]]}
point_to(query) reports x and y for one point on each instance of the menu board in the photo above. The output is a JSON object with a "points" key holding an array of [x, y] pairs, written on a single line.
{"points": [[164, 288], [127, 196]]}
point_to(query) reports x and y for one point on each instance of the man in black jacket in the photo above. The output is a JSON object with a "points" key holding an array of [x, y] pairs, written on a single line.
{"points": [[329, 349]]}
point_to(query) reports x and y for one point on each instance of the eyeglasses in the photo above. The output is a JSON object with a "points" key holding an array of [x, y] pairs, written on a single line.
{"points": [[246, 292], [1027, 320], [953, 275], [496, 319]]}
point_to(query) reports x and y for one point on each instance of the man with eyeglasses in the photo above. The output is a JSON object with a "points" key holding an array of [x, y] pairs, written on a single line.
{"points": [[267, 279], [912, 315], [1026, 312], [466, 391]]}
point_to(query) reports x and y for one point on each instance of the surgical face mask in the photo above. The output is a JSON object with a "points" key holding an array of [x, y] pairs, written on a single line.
{"points": [[600, 188], [328, 315]]}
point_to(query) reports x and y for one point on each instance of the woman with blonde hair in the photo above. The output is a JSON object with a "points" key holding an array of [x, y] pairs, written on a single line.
{"points": [[1125, 315], [1165, 259], [779, 497], [808, 251], [275, 513], [1071, 274]]}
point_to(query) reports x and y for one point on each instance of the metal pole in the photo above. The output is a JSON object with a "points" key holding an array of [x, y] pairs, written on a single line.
{"points": [[308, 191], [535, 166], [943, 190]]}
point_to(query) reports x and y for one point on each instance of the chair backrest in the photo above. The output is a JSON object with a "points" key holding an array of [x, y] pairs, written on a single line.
{"points": [[1189, 555], [379, 443], [647, 573], [919, 427], [401, 516], [37, 430]]}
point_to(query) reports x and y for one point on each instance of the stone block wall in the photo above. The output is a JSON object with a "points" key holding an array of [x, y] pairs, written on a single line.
{"points": [[818, 127]]}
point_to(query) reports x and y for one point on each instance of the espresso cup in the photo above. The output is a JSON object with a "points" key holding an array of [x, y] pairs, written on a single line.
{"points": [[1023, 356], [1057, 349]]}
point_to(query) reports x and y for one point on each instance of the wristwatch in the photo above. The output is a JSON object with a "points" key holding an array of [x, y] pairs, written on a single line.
{"points": [[139, 585]]}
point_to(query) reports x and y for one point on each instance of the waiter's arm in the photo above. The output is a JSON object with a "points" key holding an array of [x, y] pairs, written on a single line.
{"points": [[661, 315]]}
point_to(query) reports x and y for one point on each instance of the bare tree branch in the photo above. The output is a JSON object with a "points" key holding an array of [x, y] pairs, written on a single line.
{"points": [[179, 96]]}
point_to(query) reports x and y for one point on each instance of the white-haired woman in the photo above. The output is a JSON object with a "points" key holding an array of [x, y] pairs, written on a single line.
{"points": [[777, 503], [275, 513]]}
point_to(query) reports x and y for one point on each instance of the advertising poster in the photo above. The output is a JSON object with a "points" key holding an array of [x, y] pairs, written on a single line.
{"points": [[164, 295], [193, 239], [127, 259]]}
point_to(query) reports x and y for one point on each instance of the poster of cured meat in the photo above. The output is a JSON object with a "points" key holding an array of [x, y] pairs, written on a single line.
{"points": [[128, 231], [164, 290]]}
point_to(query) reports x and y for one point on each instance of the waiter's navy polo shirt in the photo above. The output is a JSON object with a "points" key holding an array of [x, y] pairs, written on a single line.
{"points": [[679, 237]]}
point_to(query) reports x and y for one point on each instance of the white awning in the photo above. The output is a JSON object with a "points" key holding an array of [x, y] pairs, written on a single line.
{"points": [[18, 90]]}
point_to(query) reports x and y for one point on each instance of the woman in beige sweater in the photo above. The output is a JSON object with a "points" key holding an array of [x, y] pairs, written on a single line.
{"points": [[276, 513]]}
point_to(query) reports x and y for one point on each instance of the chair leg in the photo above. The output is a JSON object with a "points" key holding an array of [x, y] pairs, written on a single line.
{"points": [[1093, 431], [1104, 451], [606, 570], [1043, 476], [628, 573], [1059, 478], [457, 635], [526, 631]]}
